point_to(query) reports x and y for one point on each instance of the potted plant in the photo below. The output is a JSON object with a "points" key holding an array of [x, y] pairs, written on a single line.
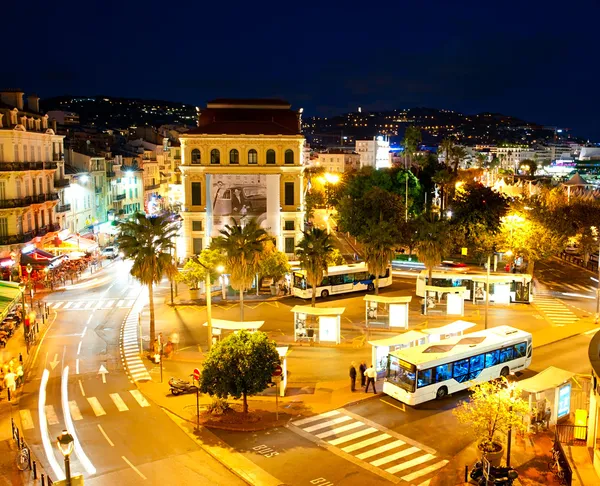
{"points": [[491, 410], [273, 264], [191, 275]]}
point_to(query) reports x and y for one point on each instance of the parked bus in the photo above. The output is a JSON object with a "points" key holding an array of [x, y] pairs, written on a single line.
{"points": [[341, 279], [422, 373], [504, 287]]}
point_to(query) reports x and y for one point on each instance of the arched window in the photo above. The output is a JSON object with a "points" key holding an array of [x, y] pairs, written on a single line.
{"points": [[215, 156], [252, 156], [270, 156], [234, 156], [289, 156], [195, 156]]}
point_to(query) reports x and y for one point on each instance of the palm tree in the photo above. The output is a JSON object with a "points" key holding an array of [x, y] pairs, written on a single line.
{"points": [[457, 154], [446, 146], [432, 242], [378, 241], [242, 246], [312, 251], [148, 242]]}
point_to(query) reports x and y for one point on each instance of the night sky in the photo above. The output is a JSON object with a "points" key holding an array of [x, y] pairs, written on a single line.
{"points": [[531, 59]]}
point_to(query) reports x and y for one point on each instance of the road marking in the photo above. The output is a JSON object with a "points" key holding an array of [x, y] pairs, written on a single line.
{"points": [[48, 449], [98, 305], [105, 436], [139, 398], [84, 331], [421, 472], [396, 455], [380, 449], [81, 388], [77, 305], [315, 417], [57, 305], [118, 401], [89, 304], [51, 415], [109, 304], [339, 430], [96, 407], [402, 409], [67, 305], [592, 331], [133, 467], [120, 303], [364, 443], [322, 425], [26, 419], [77, 366], [79, 348], [74, 409], [409, 464]]}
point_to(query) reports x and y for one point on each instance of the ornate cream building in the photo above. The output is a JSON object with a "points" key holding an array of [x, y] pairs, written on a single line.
{"points": [[244, 160]]}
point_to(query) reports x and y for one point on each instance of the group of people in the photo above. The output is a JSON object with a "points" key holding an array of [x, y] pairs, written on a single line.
{"points": [[11, 376], [165, 350], [368, 376]]}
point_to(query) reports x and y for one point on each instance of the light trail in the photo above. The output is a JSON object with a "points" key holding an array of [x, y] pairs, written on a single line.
{"points": [[44, 427]]}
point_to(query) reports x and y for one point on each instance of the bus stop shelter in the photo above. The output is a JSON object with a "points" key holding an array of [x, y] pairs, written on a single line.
{"points": [[393, 314], [381, 348], [329, 323], [456, 328], [220, 325], [455, 304]]}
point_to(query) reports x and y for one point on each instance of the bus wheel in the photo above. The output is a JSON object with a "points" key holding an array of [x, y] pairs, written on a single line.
{"points": [[505, 371], [325, 294], [370, 287], [441, 393]]}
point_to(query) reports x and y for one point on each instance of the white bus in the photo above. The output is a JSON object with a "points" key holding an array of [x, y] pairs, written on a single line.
{"points": [[504, 287], [341, 279], [422, 373]]}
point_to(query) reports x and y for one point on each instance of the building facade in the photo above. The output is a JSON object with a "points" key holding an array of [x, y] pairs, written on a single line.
{"points": [[374, 153], [338, 161], [244, 160]]}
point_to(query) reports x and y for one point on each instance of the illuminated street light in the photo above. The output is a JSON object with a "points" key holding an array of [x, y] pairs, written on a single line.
{"points": [[332, 178], [65, 444]]}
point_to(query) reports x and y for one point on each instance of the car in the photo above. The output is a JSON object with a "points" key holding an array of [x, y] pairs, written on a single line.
{"points": [[110, 252]]}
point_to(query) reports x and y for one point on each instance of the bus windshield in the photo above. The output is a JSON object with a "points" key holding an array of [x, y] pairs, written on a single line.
{"points": [[402, 373], [299, 281]]}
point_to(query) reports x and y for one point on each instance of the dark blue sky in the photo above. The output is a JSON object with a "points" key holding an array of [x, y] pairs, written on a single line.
{"points": [[532, 59]]}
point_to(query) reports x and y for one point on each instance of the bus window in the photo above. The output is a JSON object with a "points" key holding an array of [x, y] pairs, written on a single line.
{"points": [[443, 372], [520, 350], [424, 378], [387, 273], [506, 354], [325, 282], [348, 278], [491, 359], [336, 279], [476, 363], [299, 281], [401, 376], [461, 369], [360, 276]]}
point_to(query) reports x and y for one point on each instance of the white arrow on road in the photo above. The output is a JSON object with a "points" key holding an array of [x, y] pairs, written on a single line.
{"points": [[103, 372], [55, 362]]}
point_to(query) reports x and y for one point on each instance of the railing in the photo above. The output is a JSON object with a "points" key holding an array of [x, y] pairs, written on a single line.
{"points": [[151, 187], [62, 183], [579, 261], [564, 463], [41, 198], [63, 208], [30, 235], [120, 197], [24, 166], [568, 434], [57, 157], [110, 173]]}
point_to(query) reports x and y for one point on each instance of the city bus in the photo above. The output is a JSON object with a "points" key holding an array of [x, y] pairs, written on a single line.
{"points": [[432, 371], [341, 279], [504, 287]]}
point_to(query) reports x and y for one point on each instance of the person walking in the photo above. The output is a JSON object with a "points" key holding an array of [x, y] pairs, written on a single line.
{"points": [[353, 376], [362, 368], [371, 376]]}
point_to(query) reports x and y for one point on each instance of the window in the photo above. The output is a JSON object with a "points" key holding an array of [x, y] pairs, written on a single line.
{"points": [[506, 354], [196, 225], [288, 225], [3, 226], [477, 362], [271, 156], [234, 156], [460, 369], [41, 186], [136, 192], [290, 245], [289, 156], [196, 156], [288, 193], [197, 245], [520, 350], [16, 147], [443, 372], [360, 276], [2, 190], [215, 156], [196, 193], [29, 224], [424, 378], [252, 157], [25, 155], [491, 359]]}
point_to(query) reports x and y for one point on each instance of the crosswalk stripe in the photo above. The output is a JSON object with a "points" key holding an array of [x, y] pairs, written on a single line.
{"points": [[315, 417], [99, 304], [96, 407], [89, 304], [408, 464], [109, 304], [132, 294], [425, 483], [339, 430], [322, 425], [364, 443], [26, 419], [51, 415], [139, 398], [74, 410], [77, 305], [120, 303], [396, 455], [119, 403], [67, 305], [57, 305], [426, 470], [378, 450]]}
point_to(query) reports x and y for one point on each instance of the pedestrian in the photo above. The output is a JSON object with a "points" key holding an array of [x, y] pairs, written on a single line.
{"points": [[168, 349], [9, 382], [155, 347], [353, 376], [371, 376], [19, 375], [175, 341], [362, 368]]}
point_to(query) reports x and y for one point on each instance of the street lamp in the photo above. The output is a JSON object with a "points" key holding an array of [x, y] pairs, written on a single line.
{"points": [[65, 444]]}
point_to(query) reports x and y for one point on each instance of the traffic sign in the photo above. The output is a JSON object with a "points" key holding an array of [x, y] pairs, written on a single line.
{"points": [[196, 374], [278, 371]]}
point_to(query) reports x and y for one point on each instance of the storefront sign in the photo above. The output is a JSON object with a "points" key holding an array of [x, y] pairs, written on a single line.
{"points": [[564, 400]]}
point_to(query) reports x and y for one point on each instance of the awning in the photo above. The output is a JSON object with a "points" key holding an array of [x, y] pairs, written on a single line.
{"points": [[400, 339], [453, 328], [10, 293], [235, 325], [318, 311], [546, 380], [40, 258], [81, 243], [381, 299]]}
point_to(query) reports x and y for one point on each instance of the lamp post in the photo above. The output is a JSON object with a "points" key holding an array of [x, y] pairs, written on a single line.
{"points": [[221, 269], [487, 291], [595, 235], [65, 444]]}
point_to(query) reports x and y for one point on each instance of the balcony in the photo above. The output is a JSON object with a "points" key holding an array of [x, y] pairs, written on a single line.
{"points": [[164, 181], [25, 166], [25, 237], [99, 190], [59, 183], [62, 208], [57, 157], [110, 173], [120, 197], [151, 187], [42, 198]]}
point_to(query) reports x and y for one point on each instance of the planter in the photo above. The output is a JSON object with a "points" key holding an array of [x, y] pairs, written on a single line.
{"points": [[194, 293], [273, 289], [494, 457]]}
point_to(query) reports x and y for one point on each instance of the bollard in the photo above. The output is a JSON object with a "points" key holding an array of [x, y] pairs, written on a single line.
{"points": [[34, 470], [8, 390], [29, 456], [12, 427], [467, 473], [21, 358], [43, 480], [22, 444], [17, 435]]}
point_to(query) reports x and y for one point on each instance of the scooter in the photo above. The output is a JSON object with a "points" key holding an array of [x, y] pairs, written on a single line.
{"points": [[499, 476], [180, 387]]}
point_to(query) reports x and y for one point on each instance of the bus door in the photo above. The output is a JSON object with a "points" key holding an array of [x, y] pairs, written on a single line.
{"points": [[522, 292]]}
